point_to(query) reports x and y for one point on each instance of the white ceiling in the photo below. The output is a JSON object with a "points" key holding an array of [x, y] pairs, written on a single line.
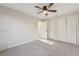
{"points": [[29, 8]]}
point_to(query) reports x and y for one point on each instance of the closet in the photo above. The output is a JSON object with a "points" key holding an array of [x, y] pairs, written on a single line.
{"points": [[66, 28]]}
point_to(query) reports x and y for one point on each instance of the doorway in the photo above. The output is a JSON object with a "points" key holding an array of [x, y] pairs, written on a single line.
{"points": [[42, 29]]}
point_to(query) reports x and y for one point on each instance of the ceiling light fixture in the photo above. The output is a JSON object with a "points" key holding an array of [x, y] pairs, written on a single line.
{"points": [[45, 12], [45, 9]]}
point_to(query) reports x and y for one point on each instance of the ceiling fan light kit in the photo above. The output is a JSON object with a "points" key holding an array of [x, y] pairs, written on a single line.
{"points": [[45, 9], [44, 12]]}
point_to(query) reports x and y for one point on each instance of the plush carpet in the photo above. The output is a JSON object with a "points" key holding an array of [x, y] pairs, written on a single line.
{"points": [[39, 48]]}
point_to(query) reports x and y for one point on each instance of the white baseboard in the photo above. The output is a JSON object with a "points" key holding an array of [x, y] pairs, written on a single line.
{"points": [[20, 43], [63, 41], [46, 41]]}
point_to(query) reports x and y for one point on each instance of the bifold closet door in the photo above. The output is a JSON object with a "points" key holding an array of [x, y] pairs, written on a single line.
{"points": [[71, 29], [66, 29]]}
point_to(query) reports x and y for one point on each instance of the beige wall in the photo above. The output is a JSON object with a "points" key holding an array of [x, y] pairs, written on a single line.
{"points": [[16, 28]]}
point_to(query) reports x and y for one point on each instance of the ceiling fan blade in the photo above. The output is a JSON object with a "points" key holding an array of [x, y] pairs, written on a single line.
{"points": [[50, 5], [39, 12], [38, 7], [52, 10]]}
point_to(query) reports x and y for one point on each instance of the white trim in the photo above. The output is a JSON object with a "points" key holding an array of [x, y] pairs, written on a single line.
{"points": [[18, 44], [47, 41]]}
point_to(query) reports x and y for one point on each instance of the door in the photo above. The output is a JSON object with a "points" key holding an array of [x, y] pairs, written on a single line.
{"points": [[42, 29]]}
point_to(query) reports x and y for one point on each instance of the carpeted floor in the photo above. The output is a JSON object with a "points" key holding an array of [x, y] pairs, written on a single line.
{"points": [[39, 48]]}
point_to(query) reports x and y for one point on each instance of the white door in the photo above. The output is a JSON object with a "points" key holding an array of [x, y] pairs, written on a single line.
{"points": [[42, 29]]}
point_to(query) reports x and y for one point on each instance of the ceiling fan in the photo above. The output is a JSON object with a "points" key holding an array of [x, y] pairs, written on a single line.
{"points": [[45, 9]]}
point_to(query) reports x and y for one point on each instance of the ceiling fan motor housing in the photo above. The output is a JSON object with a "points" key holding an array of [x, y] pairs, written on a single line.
{"points": [[45, 8]]}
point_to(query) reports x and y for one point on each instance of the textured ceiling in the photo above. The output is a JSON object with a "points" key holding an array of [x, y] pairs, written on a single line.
{"points": [[29, 8]]}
